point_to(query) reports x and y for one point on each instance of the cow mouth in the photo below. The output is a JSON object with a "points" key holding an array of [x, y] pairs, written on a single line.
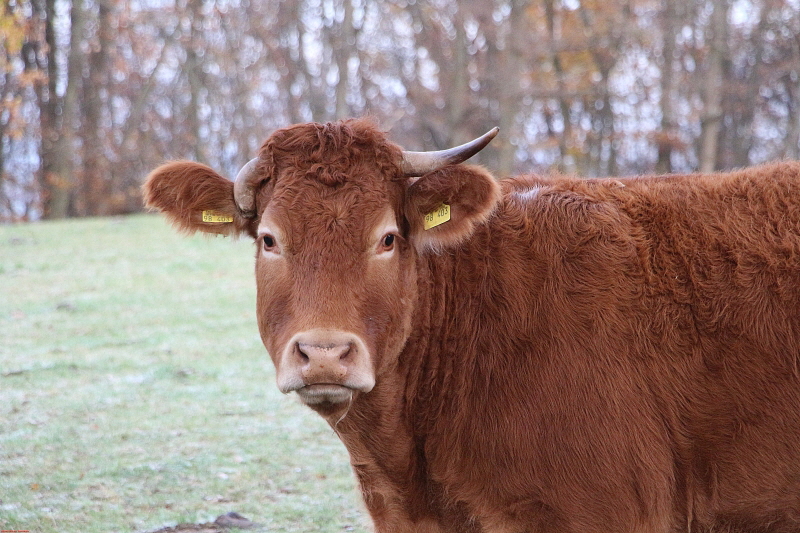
{"points": [[322, 393]]}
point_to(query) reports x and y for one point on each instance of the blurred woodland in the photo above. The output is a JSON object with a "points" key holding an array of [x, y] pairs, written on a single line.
{"points": [[95, 93]]}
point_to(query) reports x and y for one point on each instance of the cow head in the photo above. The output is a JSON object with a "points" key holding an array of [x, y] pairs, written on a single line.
{"points": [[338, 214]]}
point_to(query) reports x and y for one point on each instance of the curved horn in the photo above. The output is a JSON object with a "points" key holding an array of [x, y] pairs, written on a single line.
{"points": [[244, 191], [419, 163]]}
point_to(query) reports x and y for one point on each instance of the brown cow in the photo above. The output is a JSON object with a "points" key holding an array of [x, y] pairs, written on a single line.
{"points": [[561, 355]]}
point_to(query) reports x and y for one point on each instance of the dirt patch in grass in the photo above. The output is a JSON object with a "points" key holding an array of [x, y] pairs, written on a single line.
{"points": [[225, 523]]}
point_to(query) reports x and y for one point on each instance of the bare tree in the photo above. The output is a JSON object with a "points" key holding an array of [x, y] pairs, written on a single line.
{"points": [[94, 190], [106, 89], [58, 111], [712, 88]]}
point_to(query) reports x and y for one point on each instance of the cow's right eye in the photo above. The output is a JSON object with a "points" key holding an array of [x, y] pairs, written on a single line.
{"points": [[269, 242]]}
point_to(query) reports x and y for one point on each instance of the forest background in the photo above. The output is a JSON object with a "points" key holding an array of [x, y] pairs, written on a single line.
{"points": [[95, 93]]}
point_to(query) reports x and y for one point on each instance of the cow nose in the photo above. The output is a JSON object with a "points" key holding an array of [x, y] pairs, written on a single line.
{"points": [[325, 357], [321, 354], [322, 360]]}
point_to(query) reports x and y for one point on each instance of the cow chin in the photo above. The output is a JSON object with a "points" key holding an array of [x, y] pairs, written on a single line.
{"points": [[325, 393]]}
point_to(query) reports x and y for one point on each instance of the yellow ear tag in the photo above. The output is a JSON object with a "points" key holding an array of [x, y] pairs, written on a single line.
{"points": [[436, 217], [213, 217]]}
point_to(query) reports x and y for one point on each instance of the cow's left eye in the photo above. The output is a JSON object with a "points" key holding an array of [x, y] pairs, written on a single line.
{"points": [[387, 243]]}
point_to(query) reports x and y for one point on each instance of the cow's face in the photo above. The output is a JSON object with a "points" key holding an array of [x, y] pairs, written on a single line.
{"points": [[338, 232], [335, 273]]}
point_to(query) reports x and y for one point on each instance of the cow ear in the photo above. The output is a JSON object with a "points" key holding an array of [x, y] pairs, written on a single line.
{"points": [[444, 206], [195, 198]]}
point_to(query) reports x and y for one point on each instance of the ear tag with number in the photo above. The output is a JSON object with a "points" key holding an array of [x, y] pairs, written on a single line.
{"points": [[213, 217], [438, 216]]}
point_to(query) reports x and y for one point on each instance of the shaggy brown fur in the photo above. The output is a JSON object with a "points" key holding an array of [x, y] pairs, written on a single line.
{"points": [[564, 355]]}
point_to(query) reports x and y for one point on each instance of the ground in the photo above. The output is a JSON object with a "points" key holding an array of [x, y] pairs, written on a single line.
{"points": [[135, 393]]}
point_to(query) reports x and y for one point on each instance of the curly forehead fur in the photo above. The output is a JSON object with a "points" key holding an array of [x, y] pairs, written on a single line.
{"points": [[332, 153]]}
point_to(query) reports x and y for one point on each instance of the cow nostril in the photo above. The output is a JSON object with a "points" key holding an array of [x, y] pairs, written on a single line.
{"points": [[346, 352], [299, 350]]}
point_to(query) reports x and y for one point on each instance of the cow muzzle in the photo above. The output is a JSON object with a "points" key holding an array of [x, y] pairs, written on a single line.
{"points": [[325, 366]]}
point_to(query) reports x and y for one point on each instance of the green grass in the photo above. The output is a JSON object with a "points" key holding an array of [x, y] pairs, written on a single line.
{"points": [[135, 392]]}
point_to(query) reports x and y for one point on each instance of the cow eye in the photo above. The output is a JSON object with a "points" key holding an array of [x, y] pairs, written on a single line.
{"points": [[269, 242], [387, 243]]}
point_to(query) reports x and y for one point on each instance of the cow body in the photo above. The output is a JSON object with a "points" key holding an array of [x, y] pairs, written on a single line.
{"points": [[618, 355]]}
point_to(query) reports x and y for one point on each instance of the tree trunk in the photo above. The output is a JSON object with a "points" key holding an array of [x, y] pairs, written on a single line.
{"points": [[96, 183], [5, 120], [712, 88], [49, 110], [458, 97], [512, 63], [666, 137], [792, 150], [737, 142], [57, 114], [344, 43], [566, 163], [315, 94], [194, 75]]}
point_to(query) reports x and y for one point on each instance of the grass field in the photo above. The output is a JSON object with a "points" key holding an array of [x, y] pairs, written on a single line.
{"points": [[135, 392]]}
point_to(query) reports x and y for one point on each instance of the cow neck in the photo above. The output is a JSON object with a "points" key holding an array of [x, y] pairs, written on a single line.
{"points": [[386, 430], [441, 358], [476, 310]]}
